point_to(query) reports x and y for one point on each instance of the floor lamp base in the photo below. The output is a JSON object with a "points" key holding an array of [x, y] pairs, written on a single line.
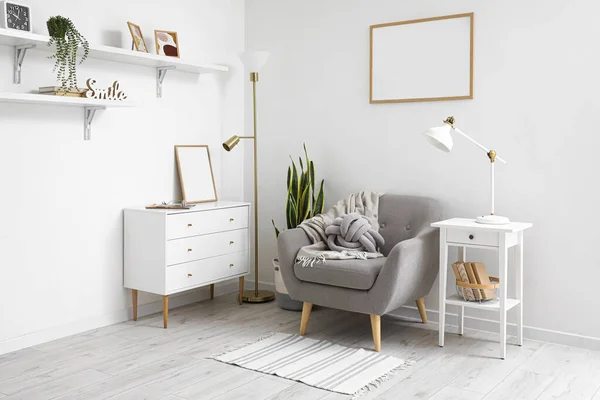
{"points": [[262, 296], [492, 220]]}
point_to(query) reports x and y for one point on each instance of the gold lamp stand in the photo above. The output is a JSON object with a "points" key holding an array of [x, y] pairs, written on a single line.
{"points": [[252, 296]]}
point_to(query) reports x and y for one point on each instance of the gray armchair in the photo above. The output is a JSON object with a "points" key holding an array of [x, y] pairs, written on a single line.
{"points": [[375, 286]]}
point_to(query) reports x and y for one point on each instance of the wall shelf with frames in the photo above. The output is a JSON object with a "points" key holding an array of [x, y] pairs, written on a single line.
{"points": [[25, 41], [22, 42]]}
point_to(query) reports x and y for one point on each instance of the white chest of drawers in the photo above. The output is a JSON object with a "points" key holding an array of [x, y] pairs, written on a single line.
{"points": [[171, 251]]}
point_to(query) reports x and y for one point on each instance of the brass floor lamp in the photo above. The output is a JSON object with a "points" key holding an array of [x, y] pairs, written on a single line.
{"points": [[253, 62]]}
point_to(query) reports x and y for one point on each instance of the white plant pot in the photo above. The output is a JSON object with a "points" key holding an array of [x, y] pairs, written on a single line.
{"points": [[283, 297]]}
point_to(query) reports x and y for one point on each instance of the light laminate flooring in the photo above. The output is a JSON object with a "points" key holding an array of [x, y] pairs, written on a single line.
{"points": [[140, 360]]}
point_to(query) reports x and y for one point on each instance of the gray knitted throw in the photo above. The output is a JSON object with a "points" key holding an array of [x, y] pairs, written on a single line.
{"points": [[362, 203], [353, 232]]}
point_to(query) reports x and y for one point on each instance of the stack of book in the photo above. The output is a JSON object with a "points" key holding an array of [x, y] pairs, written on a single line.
{"points": [[474, 273], [58, 91]]}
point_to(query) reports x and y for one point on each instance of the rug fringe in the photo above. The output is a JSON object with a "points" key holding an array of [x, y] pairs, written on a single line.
{"points": [[377, 382], [241, 346]]}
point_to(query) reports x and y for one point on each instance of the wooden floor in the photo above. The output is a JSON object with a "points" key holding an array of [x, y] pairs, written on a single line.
{"points": [[143, 361]]}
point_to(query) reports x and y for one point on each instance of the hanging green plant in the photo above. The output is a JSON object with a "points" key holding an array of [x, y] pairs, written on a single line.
{"points": [[67, 39]]}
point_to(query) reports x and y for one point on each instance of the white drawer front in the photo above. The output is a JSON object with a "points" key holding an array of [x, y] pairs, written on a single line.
{"points": [[471, 237], [205, 246], [205, 271], [203, 222]]}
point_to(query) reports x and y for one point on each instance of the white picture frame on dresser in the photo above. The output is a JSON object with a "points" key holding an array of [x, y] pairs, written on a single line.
{"points": [[170, 251]]}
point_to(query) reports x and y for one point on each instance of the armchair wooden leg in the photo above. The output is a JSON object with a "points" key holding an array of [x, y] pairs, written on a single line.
{"points": [[422, 310], [376, 327], [212, 291], [306, 309]]}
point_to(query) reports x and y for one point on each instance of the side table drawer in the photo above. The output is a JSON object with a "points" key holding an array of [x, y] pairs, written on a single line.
{"points": [[196, 273], [471, 237], [203, 222]]}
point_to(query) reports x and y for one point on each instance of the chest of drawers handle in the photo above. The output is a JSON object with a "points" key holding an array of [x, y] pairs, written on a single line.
{"points": [[190, 225], [231, 242], [189, 250], [471, 237], [231, 219], [189, 275], [230, 265]]}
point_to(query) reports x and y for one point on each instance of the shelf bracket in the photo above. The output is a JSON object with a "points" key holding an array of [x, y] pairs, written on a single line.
{"points": [[88, 117], [20, 52], [161, 72]]}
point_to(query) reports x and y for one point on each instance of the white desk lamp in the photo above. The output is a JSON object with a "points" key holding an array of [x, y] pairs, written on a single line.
{"points": [[441, 138]]}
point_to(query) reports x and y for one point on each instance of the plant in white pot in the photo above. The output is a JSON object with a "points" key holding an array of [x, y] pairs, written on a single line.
{"points": [[302, 202]]}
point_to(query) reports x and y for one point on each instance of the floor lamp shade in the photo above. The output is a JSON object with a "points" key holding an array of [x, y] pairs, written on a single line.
{"points": [[254, 60], [230, 143]]}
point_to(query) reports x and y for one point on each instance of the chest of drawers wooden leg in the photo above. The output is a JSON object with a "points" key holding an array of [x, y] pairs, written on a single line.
{"points": [[171, 251]]}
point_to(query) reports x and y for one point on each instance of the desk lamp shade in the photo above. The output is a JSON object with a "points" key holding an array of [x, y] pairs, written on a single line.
{"points": [[440, 137]]}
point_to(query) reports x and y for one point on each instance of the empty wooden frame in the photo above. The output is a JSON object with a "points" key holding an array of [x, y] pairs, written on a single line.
{"points": [[427, 59], [195, 174]]}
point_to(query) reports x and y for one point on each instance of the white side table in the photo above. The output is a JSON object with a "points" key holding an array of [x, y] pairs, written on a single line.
{"points": [[463, 233]]}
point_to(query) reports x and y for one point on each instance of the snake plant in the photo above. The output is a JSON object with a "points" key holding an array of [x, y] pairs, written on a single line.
{"points": [[302, 202]]}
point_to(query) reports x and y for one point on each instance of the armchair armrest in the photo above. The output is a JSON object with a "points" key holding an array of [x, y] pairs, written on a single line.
{"points": [[288, 244], [409, 272]]}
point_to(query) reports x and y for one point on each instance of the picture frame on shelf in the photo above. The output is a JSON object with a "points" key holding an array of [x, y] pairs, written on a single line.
{"points": [[139, 44], [16, 16], [167, 43]]}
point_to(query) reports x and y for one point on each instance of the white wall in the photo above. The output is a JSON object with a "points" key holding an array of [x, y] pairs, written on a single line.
{"points": [[62, 198], [536, 103]]}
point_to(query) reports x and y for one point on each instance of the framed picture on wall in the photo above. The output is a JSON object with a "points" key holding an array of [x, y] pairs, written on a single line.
{"points": [[138, 39], [427, 59], [167, 43]]}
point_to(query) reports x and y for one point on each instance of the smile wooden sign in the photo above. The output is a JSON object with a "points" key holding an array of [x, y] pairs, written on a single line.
{"points": [[113, 92]]}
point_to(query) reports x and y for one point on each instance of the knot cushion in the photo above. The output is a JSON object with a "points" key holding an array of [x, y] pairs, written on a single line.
{"points": [[353, 232]]}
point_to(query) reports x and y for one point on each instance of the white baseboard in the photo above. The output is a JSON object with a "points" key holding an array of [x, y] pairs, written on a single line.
{"points": [[405, 312], [95, 322], [480, 324], [486, 325]]}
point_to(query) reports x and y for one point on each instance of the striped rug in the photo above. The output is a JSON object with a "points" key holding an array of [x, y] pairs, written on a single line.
{"points": [[317, 363]]}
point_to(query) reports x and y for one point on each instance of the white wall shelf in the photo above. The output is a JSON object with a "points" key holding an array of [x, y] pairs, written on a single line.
{"points": [[23, 41], [90, 106]]}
